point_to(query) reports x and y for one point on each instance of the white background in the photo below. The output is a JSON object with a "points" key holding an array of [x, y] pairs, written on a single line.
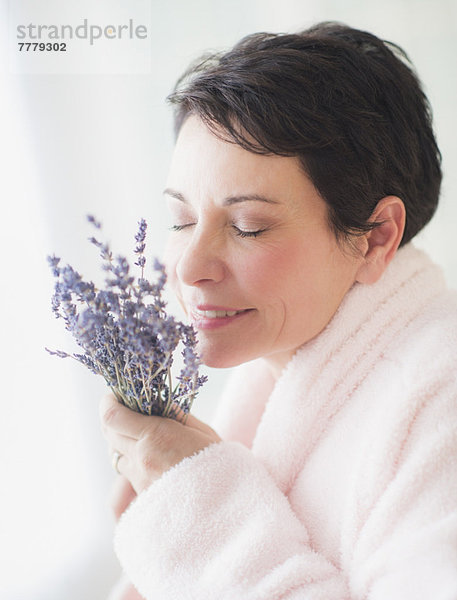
{"points": [[77, 143]]}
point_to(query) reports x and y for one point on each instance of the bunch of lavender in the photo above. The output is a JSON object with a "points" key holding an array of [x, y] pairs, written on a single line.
{"points": [[126, 334]]}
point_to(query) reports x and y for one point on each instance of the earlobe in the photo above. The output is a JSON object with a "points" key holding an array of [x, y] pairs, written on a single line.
{"points": [[382, 242]]}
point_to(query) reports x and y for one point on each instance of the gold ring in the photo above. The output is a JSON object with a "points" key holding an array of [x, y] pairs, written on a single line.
{"points": [[115, 461]]}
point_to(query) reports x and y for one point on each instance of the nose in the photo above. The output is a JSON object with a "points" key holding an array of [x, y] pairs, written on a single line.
{"points": [[202, 258]]}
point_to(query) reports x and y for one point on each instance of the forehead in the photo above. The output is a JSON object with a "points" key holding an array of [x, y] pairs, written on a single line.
{"points": [[201, 160]]}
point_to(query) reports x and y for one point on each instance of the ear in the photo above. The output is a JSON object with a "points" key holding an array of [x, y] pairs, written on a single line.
{"points": [[382, 242]]}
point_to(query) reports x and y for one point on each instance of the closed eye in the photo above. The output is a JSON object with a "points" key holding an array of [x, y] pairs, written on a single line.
{"points": [[243, 233], [240, 232], [180, 227]]}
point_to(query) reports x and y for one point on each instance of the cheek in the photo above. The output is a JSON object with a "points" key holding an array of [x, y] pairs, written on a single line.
{"points": [[294, 277], [268, 271]]}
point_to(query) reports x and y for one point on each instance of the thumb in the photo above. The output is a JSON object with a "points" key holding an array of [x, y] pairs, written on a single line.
{"points": [[192, 421]]}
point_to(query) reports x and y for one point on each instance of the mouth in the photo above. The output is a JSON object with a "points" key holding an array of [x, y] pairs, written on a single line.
{"points": [[205, 317], [216, 314]]}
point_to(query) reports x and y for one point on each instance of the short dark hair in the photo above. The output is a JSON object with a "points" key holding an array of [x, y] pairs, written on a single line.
{"points": [[346, 103]]}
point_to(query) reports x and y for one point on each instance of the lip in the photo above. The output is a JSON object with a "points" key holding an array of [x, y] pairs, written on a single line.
{"points": [[208, 323], [216, 307]]}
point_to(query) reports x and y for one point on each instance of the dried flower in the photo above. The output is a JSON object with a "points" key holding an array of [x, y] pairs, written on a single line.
{"points": [[125, 333]]}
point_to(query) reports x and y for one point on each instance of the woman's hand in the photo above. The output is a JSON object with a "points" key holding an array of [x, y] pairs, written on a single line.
{"points": [[150, 445], [122, 495]]}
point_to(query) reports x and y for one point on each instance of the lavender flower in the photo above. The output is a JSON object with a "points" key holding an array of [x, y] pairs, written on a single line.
{"points": [[125, 333]]}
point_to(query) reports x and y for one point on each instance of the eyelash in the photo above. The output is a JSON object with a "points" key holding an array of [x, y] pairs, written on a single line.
{"points": [[179, 227], [245, 234], [239, 232]]}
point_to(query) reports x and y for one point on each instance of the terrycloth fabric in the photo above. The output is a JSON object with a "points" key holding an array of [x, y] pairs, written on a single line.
{"points": [[339, 482]]}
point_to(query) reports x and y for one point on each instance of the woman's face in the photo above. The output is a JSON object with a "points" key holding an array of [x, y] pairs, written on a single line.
{"points": [[251, 256]]}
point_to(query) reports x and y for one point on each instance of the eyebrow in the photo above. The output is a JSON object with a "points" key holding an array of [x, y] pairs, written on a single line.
{"points": [[228, 201]]}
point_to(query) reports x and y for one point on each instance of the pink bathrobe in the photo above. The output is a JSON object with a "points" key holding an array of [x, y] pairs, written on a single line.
{"points": [[337, 483]]}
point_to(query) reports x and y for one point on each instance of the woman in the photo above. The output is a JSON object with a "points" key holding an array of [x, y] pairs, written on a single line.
{"points": [[304, 165]]}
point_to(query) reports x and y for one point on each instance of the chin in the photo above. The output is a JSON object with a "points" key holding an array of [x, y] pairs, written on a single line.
{"points": [[221, 362], [222, 358]]}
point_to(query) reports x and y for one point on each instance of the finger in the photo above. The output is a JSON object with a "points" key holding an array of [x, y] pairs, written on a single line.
{"points": [[202, 427], [122, 495], [124, 420], [118, 442], [195, 423], [121, 463]]}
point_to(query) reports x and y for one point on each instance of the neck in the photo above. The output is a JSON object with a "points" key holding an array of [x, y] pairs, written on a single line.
{"points": [[276, 362]]}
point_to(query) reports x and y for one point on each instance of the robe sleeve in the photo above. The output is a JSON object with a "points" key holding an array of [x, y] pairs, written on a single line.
{"points": [[216, 526]]}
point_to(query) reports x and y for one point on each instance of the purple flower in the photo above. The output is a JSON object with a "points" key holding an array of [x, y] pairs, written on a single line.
{"points": [[125, 334], [92, 220], [141, 245], [141, 234]]}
